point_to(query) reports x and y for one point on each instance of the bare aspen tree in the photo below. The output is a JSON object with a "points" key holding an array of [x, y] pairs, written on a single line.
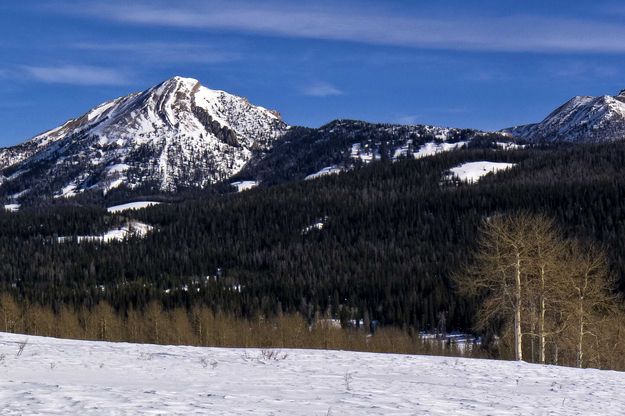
{"points": [[590, 299], [500, 272], [10, 312], [534, 282], [154, 319], [546, 284]]}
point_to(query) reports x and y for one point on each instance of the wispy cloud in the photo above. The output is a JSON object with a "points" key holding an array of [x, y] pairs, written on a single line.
{"points": [[76, 75], [321, 89], [166, 52], [408, 118], [487, 75], [429, 113], [460, 31], [584, 70]]}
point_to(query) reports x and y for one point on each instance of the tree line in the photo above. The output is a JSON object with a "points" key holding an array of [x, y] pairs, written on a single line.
{"points": [[393, 236], [201, 326]]}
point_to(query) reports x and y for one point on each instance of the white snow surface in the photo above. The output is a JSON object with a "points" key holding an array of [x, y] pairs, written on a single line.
{"points": [[473, 171], [317, 225], [12, 207], [329, 170], [430, 149], [131, 205], [67, 377], [244, 185], [117, 168], [130, 229], [67, 191]]}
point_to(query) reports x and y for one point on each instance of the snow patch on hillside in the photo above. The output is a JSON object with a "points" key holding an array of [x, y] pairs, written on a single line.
{"points": [[244, 185], [55, 376], [430, 149], [330, 170], [67, 191], [473, 171], [19, 194], [131, 229], [117, 168], [131, 205], [12, 207], [317, 225]]}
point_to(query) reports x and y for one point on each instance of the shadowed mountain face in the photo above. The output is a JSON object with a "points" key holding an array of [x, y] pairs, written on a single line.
{"points": [[176, 134], [581, 119]]}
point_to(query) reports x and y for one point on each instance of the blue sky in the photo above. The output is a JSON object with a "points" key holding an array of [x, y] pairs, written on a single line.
{"points": [[483, 64]]}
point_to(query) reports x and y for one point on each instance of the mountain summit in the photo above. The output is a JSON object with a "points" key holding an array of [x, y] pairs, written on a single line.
{"points": [[581, 119], [173, 135]]}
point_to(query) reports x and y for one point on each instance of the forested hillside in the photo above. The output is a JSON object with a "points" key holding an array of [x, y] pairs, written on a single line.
{"points": [[380, 242]]}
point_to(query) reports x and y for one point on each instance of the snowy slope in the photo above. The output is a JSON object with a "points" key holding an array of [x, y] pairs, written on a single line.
{"points": [[176, 134], [581, 119], [304, 153], [473, 171], [244, 185], [67, 377], [131, 206], [132, 229], [329, 170]]}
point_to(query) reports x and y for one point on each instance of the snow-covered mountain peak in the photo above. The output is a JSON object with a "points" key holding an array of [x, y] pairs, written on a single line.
{"points": [[581, 119], [175, 134]]}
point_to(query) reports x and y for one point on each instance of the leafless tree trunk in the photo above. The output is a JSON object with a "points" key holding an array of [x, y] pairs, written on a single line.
{"points": [[501, 272], [518, 334], [591, 300]]}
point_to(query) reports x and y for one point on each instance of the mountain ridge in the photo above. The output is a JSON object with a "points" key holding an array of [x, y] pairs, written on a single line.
{"points": [[175, 134], [179, 134], [580, 119]]}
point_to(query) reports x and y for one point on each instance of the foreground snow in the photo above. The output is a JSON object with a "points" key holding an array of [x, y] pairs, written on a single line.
{"points": [[67, 377]]}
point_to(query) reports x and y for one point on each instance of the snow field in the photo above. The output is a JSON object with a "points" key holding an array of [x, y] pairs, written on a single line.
{"points": [[67, 377], [329, 170], [12, 207], [474, 171], [131, 205], [131, 229], [244, 185]]}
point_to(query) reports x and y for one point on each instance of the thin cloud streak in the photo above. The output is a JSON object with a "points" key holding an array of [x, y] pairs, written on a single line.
{"points": [[408, 119], [474, 33], [76, 75], [166, 52], [321, 89]]}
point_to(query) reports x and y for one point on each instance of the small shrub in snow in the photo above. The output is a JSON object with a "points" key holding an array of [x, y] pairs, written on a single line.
{"points": [[21, 346], [348, 381], [272, 355], [205, 363]]}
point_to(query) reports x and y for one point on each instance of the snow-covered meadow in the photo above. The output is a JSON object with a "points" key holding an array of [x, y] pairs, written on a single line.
{"points": [[66, 377]]}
